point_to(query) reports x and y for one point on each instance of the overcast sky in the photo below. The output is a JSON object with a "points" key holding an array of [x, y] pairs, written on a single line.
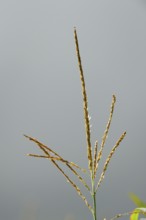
{"points": [[40, 95]]}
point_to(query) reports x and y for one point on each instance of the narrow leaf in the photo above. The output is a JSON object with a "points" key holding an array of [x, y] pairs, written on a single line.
{"points": [[137, 201]]}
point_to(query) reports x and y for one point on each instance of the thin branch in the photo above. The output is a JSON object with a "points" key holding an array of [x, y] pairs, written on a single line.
{"points": [[106, 131], [46, 149], [58, 159], [109, 158], [59, 168], [128, 213]]}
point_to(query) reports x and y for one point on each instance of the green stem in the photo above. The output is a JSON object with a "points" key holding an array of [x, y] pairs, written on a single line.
{"points": [[94, 199], [94, 204]]}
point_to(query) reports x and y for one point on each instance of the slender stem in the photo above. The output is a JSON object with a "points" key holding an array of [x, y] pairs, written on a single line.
{"points": [[93, 198], [94, 203]]}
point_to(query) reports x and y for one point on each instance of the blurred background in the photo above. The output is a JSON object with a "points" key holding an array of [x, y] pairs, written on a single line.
{"points": [[40, 95]]}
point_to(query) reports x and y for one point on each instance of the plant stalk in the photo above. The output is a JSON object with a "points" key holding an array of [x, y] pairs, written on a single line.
{"points": [[93, 198]]}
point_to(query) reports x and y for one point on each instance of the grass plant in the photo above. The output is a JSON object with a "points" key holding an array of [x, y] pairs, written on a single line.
{"points": [[94, 153]]}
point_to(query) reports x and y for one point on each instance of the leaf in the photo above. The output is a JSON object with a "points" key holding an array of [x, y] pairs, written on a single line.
{"points": [[137, 201], [136, 212]]}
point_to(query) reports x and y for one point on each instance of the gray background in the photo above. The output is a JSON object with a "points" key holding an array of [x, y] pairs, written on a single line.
{"points": [[40, 95]]}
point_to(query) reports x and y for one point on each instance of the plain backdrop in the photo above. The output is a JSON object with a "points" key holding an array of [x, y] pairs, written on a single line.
{"points": [[40, 95]]}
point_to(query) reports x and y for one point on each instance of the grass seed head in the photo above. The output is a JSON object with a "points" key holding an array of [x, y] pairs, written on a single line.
{"points": [[85, 104]]}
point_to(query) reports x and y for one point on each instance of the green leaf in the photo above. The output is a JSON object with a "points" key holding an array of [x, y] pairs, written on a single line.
{"points": [[136, 212], [137, 201]]}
